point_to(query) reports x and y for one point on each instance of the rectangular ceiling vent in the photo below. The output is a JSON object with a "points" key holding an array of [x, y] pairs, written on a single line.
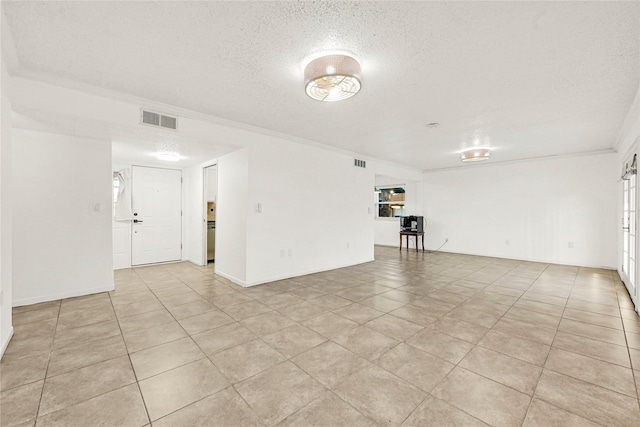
{"points": [[359, 163], [160, 120]]}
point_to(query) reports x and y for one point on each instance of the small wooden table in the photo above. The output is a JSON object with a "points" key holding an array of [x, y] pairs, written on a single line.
{"points": [[412, 233]]}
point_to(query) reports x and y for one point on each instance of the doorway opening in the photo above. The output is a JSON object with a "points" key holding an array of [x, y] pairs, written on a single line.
{"points": [[210, 200]]}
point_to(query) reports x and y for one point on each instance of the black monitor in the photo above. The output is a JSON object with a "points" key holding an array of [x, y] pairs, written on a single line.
{"points": [[412, 223]]}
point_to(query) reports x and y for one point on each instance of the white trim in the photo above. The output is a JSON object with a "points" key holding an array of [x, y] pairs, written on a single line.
{"points": [[88, 89], [524, 160], [542, 261], [275, 279], [63, 295], [204, 210], [5, 344], [387, 218], [193, 261], [233, 279], [182, 216]]}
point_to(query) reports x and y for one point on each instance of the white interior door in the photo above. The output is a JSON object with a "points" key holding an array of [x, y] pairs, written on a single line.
{"points": [[156, 232], [629, 235]]}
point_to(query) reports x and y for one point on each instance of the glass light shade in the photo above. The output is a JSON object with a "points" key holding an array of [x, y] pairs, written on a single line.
{"points": [[475, 154], [169, 151], [332, 78]]}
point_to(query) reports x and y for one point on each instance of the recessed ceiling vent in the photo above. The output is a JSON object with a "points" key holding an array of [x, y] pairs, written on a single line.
{"points": [[160, 120], [359, 163]]}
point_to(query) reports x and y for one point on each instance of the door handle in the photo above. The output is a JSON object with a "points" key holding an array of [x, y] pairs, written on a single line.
{"points": [[135, 221]]}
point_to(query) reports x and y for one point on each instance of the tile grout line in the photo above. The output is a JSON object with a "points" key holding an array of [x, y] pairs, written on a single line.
{"points": [[429, 394], [626, 340], [48, 363], [578, 379], [364, 324], [475, 345], [135, 376], [533, 395], [231, 384]]}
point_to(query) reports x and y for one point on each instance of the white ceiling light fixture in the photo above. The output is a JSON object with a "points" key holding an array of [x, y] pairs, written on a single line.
{"points": [[169, 151], [332, 78], [475, 154]]}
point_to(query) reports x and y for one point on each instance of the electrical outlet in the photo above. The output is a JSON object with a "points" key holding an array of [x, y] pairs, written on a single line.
{"points": [[570, 245], [282, 253], [506, 242], [290, 251], [347, 245]]}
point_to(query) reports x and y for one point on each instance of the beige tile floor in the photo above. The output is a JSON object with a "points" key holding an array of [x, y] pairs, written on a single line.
{"points": [[411, 339]]}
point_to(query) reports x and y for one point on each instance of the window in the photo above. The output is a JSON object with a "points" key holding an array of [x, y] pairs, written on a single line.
{"points": [[390, 202]]}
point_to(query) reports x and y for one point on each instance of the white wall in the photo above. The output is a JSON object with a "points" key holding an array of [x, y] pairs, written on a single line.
{"points": [[314, 211], [61, 244], [194, 213], [6, 327], [212, 183], [232, 258], [231, 218], [537, 206]]}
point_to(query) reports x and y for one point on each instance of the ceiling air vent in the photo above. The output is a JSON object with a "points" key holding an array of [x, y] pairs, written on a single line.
{"points": [[156, 119], [359, 163], [169, 122]]}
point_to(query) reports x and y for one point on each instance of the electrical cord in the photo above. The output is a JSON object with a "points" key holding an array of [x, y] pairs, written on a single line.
{"points": [[436, 250], [424, 227]]}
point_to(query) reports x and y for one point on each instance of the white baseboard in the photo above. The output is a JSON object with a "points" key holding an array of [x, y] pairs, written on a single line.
{"points": [[5, 342], [193, 261], [62, 295], [233, 279], [503, 256], [289, 276]]}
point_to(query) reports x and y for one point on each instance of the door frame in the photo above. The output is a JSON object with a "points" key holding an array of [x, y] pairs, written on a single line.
{"points": [[181, 258], [632, 242], [203, 210]]}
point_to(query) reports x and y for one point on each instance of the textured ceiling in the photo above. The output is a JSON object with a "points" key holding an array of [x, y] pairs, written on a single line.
{"points": [[529, 79]]}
